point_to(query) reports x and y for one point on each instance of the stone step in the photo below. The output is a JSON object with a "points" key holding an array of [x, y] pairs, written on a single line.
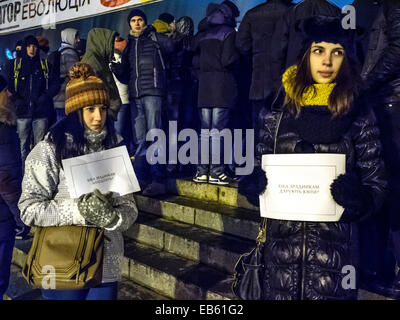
{"points": [[225, 195], [145, 267], [19, 289], [169, 275], [189, 241], [174, 276], [214, 216]]}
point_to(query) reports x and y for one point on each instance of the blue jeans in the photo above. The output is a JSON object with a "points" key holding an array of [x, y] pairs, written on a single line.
{"points": [[123, 126], [105, 291], [146, 115], [213, 118], [27, 127]]}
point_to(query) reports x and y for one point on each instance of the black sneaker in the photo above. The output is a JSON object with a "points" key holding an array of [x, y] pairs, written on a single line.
{"points": [[200, 178], [219, 179]]}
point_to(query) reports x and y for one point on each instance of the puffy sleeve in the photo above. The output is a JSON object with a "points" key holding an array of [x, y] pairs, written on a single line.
{"points": [[39, 186], [368, 158]]}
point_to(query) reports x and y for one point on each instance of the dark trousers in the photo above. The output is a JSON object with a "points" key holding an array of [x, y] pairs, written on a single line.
{"points": [[7, 241], [106, 291]]}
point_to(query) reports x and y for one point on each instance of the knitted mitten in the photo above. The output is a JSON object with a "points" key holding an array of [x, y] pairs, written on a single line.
{"points": [[97, 208]]}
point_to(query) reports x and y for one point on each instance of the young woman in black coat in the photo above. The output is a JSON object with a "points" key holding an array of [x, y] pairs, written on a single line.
{"points": [[321, 113]]}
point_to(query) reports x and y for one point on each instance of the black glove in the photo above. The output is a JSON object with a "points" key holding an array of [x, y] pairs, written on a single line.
{"points": [[348, 192], [251, 186], [304, 146], [115, 67]]}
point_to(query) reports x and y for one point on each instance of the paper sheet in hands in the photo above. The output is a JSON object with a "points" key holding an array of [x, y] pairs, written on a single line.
{"points": [[299, 186], [108, 170]]}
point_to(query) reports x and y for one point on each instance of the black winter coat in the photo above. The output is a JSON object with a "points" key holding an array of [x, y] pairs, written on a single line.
{"points": [[304, 260], [381, 72], [144, 64], [215, 56], [293, 38], [32, 99], [260, 35], [10, 176]]}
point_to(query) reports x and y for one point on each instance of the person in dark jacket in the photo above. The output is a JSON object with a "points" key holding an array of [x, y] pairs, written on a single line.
{"points": [[165, 24], [143, 68], [181, 95], [99, 54], [68, 56], [261, 27], [33, 89], [381, 74], [216, 54], [322, 113], [10, 185]]}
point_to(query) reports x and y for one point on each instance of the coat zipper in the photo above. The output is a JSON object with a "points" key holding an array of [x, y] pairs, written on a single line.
{"points": [[276, 131], [137, 67], [303, 261], [155, 77], [30, 91]]}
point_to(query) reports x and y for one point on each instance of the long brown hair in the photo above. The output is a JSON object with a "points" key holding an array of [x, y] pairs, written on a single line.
{"points": [[342, 97]]}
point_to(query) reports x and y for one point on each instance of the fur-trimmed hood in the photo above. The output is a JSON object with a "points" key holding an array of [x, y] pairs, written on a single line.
{"points": [[7, 116]]}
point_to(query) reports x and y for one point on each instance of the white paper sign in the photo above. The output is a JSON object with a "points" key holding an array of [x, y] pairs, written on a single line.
{"points": [[108, 170], [299, 186]]}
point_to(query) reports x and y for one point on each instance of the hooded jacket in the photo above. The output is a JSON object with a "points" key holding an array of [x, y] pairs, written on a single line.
{"points": [[214, 45], [261, 27], [68, 57], [99, 53], [10, 174], [305, 260], [144, 63]]}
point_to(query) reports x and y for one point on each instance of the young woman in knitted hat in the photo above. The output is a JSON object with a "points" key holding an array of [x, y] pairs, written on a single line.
{"points": [[45, 199], [321, 113]]}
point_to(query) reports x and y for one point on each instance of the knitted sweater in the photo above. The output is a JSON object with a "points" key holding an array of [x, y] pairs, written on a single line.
{"points": [[45, 201]]}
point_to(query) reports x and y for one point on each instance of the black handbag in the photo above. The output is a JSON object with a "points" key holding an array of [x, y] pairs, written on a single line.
{"points": [[249, 270]]}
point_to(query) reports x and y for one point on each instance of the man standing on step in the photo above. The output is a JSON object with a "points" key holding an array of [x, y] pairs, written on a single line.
{"points": [[143, 68], [32, 89]]}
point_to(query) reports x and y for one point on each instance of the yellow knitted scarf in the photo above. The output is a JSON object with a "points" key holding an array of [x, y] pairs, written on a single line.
{"points": [[317, 97]]}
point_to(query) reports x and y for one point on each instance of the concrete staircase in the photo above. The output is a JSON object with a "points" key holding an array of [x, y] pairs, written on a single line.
{"points": [[183, 246]]}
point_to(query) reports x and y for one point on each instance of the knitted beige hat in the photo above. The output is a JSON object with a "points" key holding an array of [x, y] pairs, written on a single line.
{"points": [[84, 89]]}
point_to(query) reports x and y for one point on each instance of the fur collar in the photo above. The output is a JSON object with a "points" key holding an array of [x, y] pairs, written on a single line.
{"points": [[7, 116]]}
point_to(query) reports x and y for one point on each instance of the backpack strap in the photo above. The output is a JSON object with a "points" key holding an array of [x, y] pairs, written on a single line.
{"points": [[45, 69], [17, 69]]}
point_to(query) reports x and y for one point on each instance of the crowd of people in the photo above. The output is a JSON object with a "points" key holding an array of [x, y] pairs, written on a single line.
{"points": [[290, 72]]}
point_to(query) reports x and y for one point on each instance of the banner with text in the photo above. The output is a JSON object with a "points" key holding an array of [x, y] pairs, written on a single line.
{"points": [[20, 15]]}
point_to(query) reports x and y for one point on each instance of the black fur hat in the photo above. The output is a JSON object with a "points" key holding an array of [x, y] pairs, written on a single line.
{"points": [[328, 29]]}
